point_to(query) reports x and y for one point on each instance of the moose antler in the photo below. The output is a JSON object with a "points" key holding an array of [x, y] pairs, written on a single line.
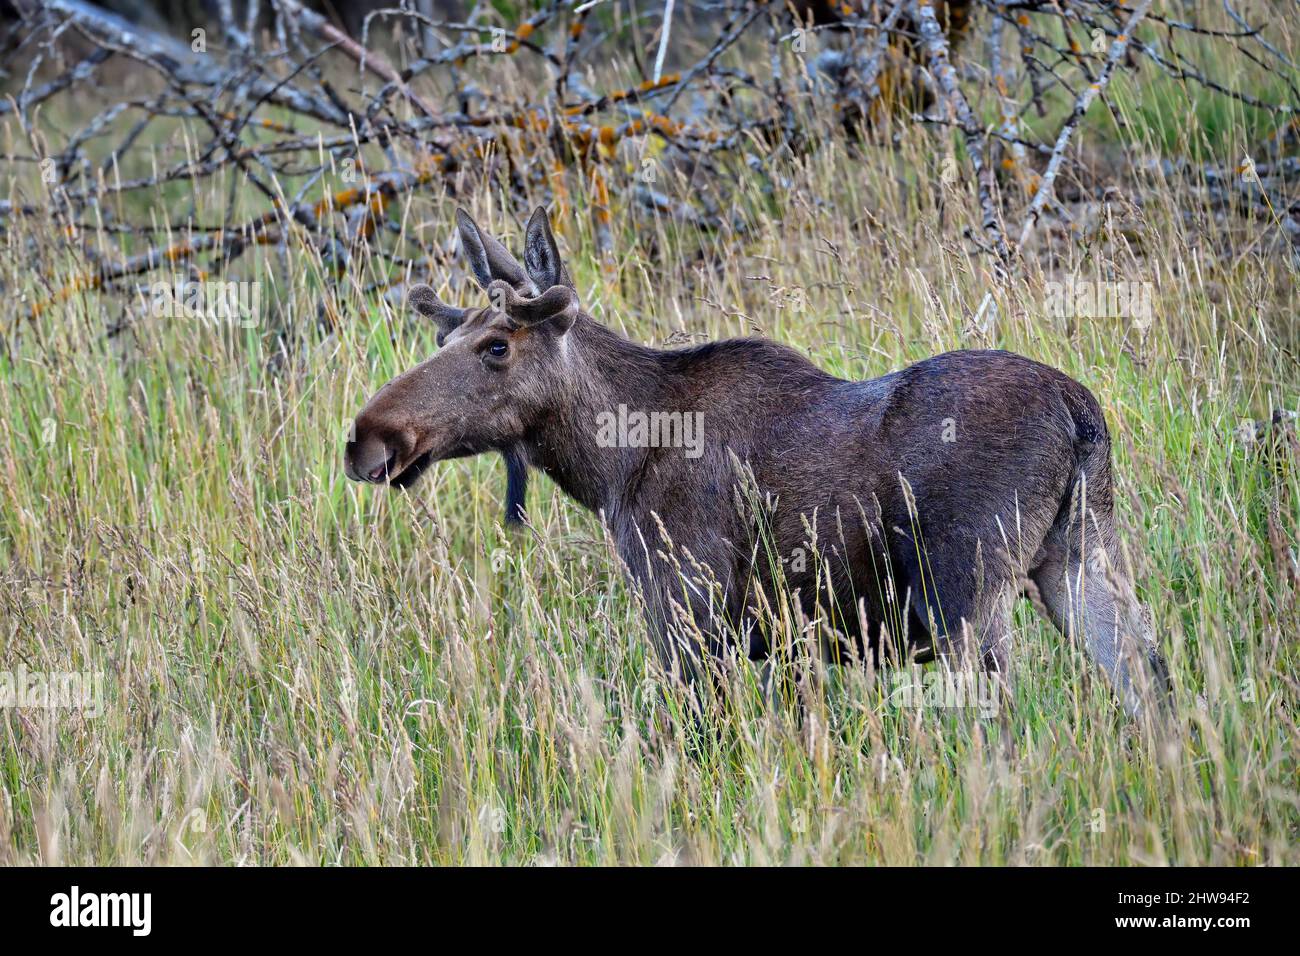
{"points": [[557, 304], [424, 300]]}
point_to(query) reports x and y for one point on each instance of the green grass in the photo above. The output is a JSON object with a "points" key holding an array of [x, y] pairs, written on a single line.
{"points": [[300, 669]]}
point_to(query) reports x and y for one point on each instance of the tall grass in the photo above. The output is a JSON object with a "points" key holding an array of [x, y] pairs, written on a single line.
{"points": [[302, 670]]}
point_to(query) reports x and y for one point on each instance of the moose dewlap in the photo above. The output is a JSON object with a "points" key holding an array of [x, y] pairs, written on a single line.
{"points": [[935, 494]]}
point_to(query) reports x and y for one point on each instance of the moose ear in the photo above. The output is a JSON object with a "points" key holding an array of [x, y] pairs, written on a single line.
{"points": [[558, 305], [488, 259], [425, 301], [542, 255]]}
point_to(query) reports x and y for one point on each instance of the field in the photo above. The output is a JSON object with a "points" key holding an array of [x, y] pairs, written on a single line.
{"points": [[300, 669]]}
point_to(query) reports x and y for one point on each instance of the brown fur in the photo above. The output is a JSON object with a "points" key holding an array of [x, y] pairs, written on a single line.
{"points": [[934, 494]]}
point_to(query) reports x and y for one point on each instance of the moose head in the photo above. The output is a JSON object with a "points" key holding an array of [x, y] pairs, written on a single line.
{"points": [[495, 374]]}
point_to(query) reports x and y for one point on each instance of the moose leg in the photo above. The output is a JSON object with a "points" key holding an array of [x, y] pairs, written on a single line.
{"points": [[995, 636], [1087, 595], [968, 617], [686, 578], [672, 632], [691, 634]]}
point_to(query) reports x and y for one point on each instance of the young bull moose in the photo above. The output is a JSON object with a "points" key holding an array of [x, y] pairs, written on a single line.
{"points": [[935, 494]]}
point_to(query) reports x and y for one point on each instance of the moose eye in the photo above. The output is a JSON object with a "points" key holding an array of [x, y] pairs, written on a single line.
{"points": [[498, 348]]}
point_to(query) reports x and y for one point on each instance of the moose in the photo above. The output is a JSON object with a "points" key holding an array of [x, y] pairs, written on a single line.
{"points": [[932, 496]]}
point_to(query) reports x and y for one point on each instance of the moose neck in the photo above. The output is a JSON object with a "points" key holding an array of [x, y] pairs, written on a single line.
{"points": [[609, 371]]}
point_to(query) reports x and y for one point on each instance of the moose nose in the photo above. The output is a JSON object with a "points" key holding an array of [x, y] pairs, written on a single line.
{"points": [[370, 460], [383, 469], [380, 472]]}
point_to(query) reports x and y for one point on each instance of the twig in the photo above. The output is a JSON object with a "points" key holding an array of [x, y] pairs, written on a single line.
{"points": [[936, 46], [1046, 185]]}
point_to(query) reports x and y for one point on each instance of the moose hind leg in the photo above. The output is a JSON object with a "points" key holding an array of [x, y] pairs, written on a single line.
{"points": [[1089, 597]]}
